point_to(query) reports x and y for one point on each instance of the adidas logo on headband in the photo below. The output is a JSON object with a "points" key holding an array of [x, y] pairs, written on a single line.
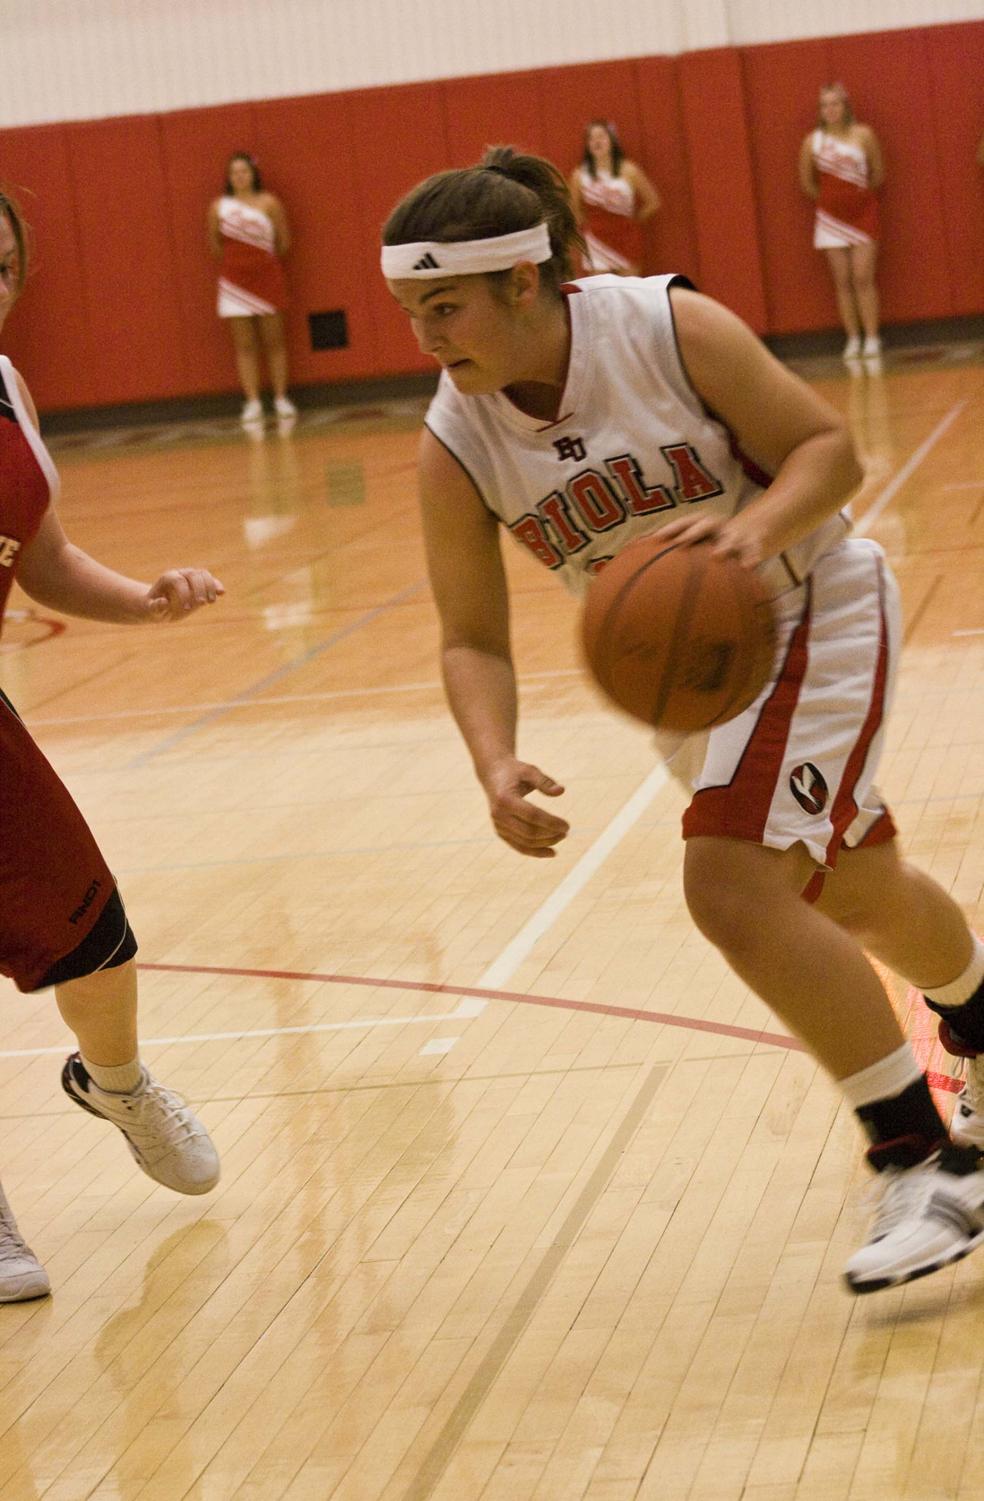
{"points": [[430, 258]]}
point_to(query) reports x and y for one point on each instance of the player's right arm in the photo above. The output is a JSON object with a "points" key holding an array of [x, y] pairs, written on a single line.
{"points": [[574, 187], [469, 585], [873, 151], [212, 227], [807, 171], [281, 230]]}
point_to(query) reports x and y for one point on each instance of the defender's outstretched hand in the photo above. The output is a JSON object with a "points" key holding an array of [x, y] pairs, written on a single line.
{"points": [[180, 591]]}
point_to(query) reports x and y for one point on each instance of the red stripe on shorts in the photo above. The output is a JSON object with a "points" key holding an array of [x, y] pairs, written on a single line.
{"points": [[740, 809], [845, 809]]}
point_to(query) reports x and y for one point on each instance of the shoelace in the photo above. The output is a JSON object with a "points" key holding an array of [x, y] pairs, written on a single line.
{"points": [[157, 1113], [895, 1194]]}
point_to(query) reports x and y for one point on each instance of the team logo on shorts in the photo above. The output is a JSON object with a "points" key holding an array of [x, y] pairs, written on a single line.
{"points": [[809, 788]]}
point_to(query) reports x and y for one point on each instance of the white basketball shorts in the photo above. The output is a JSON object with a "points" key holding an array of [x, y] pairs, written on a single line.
{"points": [[798, 765]]}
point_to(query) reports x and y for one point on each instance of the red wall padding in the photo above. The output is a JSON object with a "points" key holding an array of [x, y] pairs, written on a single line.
{"points": [[722, 183], [955, 57], [121, 304]]}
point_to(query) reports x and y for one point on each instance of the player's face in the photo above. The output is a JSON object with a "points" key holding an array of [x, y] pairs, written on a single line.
{"points": [[241, 175], [8, 267], [599, 143], [469, 331], [831, 107]]}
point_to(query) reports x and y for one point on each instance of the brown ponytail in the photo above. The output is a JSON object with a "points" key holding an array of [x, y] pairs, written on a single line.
{"points": [[506, 192]]}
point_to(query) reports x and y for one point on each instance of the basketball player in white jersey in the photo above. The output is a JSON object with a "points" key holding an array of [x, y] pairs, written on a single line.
{"points": [[579, 415]]}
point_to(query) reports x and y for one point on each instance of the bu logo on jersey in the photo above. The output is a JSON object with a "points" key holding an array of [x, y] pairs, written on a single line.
{"points": [[808, 788], [596, 500]]}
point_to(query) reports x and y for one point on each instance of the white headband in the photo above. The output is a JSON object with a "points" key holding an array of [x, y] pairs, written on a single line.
{"points": [[429, 258]]}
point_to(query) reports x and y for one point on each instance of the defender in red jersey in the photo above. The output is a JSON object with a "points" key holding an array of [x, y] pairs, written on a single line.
{"points": [[62, 920]]}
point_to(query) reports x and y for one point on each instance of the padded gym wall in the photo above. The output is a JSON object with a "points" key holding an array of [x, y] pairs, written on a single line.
{"points": [[120, 305]]}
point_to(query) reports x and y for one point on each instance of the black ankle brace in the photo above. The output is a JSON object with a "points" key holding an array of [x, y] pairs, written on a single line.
{"points": [[965, 1022], [902, 1151], [909, 1122]]}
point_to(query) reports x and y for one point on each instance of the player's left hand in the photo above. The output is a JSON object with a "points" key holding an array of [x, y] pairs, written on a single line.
{"points": [[180, 591], [728, 536]]}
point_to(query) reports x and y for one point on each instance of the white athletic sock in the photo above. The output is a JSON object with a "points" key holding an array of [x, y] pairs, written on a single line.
{"points": [[121, 1079], [882, 1080], [963, 987]]}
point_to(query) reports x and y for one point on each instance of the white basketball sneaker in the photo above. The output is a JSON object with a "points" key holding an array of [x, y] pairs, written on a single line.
{"points": [[852, 349], [165, 1137], [930, 1214], [21, 1274]]}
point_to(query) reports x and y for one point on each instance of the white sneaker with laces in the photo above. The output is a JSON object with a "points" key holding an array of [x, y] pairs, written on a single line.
{"points": [[252, 412], [284, 407], [165, 1137], [21, 1274], [852, 349], [871, 348], [929, 1215]]}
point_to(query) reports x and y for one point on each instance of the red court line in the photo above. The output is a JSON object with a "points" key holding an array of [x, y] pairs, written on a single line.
{"points": [[627, 1013]]}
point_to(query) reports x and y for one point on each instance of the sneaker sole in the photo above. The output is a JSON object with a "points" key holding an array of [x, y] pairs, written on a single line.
{"points": [[33, 1288], [878, 1284]]}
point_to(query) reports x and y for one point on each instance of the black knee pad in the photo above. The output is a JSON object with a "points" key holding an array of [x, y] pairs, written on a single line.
{"points": [[108, 944]]}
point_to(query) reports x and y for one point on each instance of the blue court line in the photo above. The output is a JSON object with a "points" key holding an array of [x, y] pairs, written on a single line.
{"points": [[272, 678]]}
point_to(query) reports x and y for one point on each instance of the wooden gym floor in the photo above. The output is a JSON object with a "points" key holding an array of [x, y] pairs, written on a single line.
{"points": [[525, 1198]]}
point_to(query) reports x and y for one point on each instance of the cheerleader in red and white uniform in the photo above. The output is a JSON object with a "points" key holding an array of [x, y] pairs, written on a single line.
{"points": [[248, 234], [840, 167], [612, 199]]}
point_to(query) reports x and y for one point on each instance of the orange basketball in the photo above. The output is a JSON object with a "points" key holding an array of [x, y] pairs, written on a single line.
{"points": [[676, 636]]}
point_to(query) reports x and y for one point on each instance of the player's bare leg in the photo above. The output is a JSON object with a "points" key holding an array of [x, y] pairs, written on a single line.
{"points": [[245, 343], [101, 1009], [912, 925], [839, 261], [863, 260], [275, 346], [899, 914], [813, 973], [107, 1079]]}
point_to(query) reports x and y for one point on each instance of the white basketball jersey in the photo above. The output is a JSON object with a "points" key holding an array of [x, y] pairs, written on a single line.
{"points": [[631, 448]]}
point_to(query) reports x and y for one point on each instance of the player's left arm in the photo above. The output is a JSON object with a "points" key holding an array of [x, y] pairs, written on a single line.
{"points": [[778, 421], [281, 229], [873, 151], [57, 574], [647, 198]]}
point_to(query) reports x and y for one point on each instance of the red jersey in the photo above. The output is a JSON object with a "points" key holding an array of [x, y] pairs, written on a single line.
{"points": [[28, 479]]}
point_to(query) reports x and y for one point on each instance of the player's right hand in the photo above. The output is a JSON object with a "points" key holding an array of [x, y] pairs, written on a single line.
{"points": [[523, 825]]}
